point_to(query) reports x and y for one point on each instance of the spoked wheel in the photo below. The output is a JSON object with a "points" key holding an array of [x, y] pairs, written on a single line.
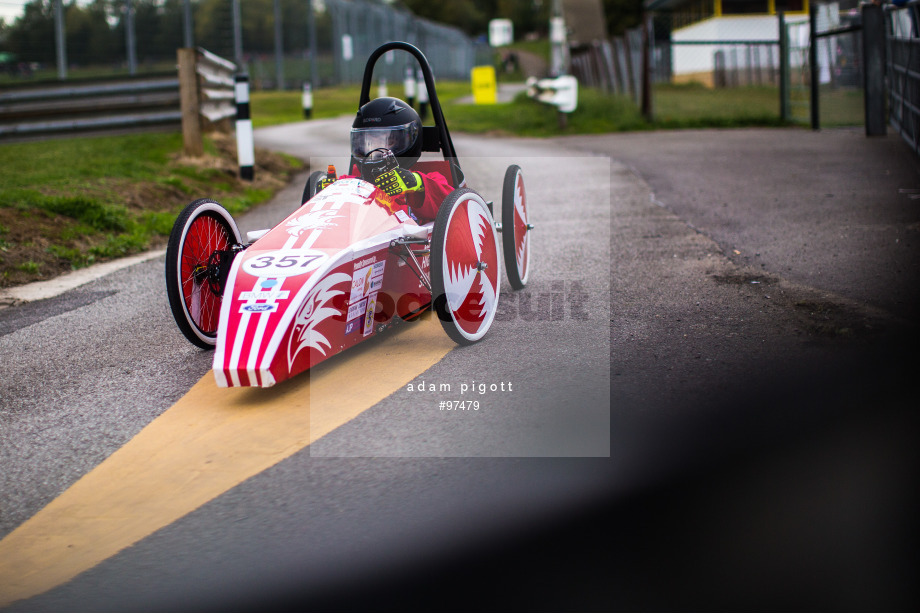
{"points": [[312, 186], [198, 258], [465, 267], [515, 228]]}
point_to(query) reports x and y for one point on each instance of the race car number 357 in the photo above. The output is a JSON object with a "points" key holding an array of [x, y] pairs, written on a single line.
{"points": [[283, 263]]}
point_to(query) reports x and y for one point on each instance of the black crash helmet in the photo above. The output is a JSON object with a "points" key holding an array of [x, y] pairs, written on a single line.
{"points": [[391, 124]]}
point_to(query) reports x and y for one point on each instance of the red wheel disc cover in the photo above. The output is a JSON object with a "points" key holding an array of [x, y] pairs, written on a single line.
{"points": [[520, 226], [471, 294]]}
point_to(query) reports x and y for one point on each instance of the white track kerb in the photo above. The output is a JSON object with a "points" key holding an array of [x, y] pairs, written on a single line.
{"points": [[41, 290]]}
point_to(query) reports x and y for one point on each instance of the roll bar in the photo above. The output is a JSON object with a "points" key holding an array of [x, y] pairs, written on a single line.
{"points": [[434, 138]]}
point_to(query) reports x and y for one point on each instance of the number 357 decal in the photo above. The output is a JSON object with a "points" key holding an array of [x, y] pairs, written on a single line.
{"points": [[283, 263]]}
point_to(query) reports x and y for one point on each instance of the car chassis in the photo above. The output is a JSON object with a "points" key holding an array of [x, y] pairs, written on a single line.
{"points": [[343, 266]]}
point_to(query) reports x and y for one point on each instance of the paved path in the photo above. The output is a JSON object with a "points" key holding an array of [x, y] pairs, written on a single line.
{"points": [[832, 210]]}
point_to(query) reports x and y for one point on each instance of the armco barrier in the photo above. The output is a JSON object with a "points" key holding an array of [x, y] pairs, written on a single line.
{"points": [[57, 109], [123, 104]]}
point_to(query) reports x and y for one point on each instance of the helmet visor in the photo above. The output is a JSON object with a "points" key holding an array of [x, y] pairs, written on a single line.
{"points": [[397, 139]]}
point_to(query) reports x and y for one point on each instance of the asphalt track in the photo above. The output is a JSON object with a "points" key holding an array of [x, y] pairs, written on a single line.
{"points": [[749, 419]]}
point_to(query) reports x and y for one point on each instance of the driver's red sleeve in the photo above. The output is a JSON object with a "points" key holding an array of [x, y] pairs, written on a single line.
{"points": [[436, 190]]}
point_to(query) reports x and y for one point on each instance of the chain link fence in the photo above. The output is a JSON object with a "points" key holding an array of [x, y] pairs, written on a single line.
{"points": [[726, 52], [770, 51], [903, 65], [279, 42], [835, 66]]}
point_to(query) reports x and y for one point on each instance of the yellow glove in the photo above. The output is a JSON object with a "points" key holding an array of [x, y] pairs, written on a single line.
{"points": [[327, 180], [397, 181]]}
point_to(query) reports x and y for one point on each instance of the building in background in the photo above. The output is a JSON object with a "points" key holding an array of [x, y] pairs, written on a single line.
{"points": [[743, 34]]}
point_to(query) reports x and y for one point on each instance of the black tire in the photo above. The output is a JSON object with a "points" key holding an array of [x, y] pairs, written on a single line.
{"points": [[465, 315], [515, 230], [312, 186], [201, 229]]}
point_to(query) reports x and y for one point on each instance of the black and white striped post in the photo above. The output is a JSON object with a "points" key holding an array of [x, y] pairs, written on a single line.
{"points": [[409, 86], [422, 96], [306, 100], [245, 151]]}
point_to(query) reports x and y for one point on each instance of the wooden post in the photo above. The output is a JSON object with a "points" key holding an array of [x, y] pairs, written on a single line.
{"points": [[189, 103]]}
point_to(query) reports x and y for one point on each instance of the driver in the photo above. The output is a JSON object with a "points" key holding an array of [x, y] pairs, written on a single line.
{"points": [[391, 124]]}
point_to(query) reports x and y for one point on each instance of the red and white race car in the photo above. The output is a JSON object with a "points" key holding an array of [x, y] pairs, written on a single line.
{"points": [[343, 267]]}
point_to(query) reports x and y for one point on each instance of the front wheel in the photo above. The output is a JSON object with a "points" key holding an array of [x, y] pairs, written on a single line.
{"points": [[515, 228], [198, 257], [465, 266]]}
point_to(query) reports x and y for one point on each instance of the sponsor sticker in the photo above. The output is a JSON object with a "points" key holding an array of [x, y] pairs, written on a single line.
{"points": [[363, 263], [356, 185], [283, 263], [369, 314], [356, 310], [401, 216], [366, 280], [354, 326], [265, 295], [259, 308]]}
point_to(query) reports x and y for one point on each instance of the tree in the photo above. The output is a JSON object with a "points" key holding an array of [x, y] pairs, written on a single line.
{"points": [[466, 15], [29, 35], [622, 15], [89, 38], [526, 15]]}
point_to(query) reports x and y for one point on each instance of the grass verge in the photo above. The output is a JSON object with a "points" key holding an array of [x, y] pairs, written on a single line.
{"points": [[675, 106], [68, 203]]}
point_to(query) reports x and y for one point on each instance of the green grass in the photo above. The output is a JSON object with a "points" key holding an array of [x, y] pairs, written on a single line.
{"points": [[277, 107], [674, 106], [696, 106], [841, 107], [67, 203], [596, 113], [71, 202]]}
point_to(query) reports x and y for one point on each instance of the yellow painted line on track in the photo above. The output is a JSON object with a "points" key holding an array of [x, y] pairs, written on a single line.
{"points": [[207, 443]]}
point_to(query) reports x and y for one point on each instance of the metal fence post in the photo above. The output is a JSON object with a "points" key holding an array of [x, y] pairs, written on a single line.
{"points": [[279, 48], [60, 41], [130, 39], [311, 29], [873, 32], [813, 64], [647, 68], [187, 27], [236, 18], [783, 69]]}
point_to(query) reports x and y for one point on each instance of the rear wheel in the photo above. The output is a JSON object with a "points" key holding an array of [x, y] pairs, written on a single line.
{"points": [[465, 266], [312, 186], [198, 258], [515, 228]]}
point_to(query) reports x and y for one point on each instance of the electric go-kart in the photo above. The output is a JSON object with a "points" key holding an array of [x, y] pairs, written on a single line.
{"points": [[343, 267]]}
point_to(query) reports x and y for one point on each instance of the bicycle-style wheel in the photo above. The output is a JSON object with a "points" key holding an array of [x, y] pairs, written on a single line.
{"points": [[515, 228], [312, 186], [198, 256], [465, 266]]}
